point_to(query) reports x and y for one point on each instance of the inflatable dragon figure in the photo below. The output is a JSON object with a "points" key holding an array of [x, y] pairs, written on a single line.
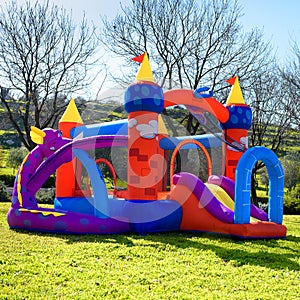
{"points": [[48, 141]]}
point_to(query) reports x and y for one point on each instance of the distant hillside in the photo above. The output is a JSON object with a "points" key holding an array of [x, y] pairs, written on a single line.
{"points": [[106, 109], [99, 112]]}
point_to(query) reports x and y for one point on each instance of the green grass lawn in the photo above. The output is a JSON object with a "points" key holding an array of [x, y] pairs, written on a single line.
{"points": [[156, 266]]}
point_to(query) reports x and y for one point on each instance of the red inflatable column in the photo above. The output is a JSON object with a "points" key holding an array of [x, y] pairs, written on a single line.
{"points": [[66, 184], [235, 130], [146, 163]]}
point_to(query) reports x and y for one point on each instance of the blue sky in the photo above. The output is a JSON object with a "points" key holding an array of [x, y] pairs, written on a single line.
{"points": [[279, 19]]}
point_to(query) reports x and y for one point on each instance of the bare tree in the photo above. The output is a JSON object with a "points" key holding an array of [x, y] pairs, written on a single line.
{"points": [[44, 58], [271, 122], [188, 43], [291, 78]]}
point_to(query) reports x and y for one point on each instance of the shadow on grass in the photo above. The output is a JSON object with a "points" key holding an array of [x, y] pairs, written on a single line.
{"points": [[271, 254], [293, 238], [239, 252]]}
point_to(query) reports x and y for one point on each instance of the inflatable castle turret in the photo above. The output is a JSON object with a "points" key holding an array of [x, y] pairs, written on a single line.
{"points": [[144, 101], [67, 185], [235, 129]]}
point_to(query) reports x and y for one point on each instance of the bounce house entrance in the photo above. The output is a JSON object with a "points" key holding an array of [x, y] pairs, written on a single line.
{"points": [[243, 185]]}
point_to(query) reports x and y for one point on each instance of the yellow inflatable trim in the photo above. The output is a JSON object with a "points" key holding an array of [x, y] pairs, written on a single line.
{"points": [[223, 197], [44, 213]]}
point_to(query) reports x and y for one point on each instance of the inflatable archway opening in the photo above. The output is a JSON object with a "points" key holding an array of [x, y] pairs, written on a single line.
{"points": [[179, 146], [243, 184]]}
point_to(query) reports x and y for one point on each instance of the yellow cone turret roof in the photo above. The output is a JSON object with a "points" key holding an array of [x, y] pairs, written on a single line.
{"points": [[162, 129], [145, 71], [71, 114], [236, 95]]}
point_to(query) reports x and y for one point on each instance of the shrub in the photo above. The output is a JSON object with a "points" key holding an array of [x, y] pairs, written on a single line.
{"points": [[8, 139], [8, 180], [292, 201], [16, 157], [45, 196], [50, 182], [291, 166], [4, 196]]}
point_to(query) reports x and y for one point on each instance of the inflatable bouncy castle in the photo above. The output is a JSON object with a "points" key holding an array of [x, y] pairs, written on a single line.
{"points": [[158, 196]]}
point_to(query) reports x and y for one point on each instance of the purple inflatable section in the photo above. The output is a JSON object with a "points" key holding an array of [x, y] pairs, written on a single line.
{"points": [[49, 220], [227, 185], [206, 198], [64, 155], [224, 182]]}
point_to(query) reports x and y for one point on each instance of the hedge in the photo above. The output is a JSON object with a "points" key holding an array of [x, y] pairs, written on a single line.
{"points": [[10, 179]]}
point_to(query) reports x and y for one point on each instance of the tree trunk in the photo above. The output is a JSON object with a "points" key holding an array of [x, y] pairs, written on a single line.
{"points": [[253, 188]]}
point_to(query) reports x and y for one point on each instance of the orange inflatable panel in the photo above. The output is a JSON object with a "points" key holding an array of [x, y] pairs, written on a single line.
{"points": [[186, 97]]}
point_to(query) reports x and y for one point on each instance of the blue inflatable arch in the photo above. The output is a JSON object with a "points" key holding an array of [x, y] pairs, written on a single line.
{"points": [[243, 185], [97, 181]]}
